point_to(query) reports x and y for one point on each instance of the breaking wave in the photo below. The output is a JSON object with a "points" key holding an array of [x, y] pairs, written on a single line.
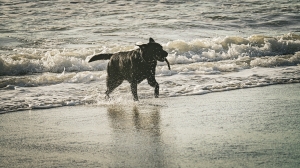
{"points": [[254, 51]]}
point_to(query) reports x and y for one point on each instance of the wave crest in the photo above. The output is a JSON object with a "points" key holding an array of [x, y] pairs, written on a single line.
{"points": [[258, 50]]}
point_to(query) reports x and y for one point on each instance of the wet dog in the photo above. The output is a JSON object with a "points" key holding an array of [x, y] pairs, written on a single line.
{"points": [[133, 66]]}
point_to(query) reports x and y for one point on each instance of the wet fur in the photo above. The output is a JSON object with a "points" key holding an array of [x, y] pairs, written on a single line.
{"points": [[133, 66]]}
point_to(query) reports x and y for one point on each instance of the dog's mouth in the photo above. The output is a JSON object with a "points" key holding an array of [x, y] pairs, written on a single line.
{"points": [[163, 58]]}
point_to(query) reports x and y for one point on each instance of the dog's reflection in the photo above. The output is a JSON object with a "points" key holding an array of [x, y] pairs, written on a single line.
{"points": [[117, 117], [140, 120], [136, 135]]}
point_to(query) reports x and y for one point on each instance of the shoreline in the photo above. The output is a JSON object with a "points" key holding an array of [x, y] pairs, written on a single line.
{"points": [[203, 92]]}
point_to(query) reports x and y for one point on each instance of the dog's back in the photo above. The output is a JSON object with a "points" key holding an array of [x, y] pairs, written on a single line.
{"points": [[129, 66]]}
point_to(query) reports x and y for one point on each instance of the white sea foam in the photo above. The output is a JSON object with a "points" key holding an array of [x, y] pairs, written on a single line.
{"points": [[257, 50], [217, 49], [89, 87]]}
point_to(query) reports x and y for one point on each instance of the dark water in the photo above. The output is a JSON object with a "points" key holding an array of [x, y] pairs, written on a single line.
{"points": [[61, 23]]}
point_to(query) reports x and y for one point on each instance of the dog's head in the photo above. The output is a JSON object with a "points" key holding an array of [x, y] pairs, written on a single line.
{"points": [[153, 51]]}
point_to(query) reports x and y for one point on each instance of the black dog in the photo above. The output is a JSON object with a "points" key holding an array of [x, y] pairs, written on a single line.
{"points": [[133, 66]]}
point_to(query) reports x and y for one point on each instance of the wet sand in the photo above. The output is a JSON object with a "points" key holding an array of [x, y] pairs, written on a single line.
{"points": [[257, 127]]}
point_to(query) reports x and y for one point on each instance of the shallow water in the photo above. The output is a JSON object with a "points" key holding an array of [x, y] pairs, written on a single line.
{"points": [[212, 46], [257, 127]]}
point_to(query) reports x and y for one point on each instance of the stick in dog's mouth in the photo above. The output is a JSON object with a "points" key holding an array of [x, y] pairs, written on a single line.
{"points": [[168, 63]]}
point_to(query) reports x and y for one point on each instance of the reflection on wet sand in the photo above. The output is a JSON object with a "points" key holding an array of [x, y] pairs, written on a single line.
{"points": [[242, 128], [136, 133]]}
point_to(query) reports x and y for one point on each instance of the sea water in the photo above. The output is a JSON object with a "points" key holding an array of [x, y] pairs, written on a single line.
{"points": [[213, 46]]}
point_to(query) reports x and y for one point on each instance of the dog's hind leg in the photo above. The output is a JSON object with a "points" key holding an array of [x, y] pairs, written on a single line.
{"points": [[152, 82], [112, 84], [133, 86]]}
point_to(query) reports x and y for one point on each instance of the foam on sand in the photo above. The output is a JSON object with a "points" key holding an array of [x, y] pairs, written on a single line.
{"points": [[89, 87]]}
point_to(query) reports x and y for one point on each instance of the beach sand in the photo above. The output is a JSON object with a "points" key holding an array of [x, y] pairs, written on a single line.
{"points": [[256, 127]]}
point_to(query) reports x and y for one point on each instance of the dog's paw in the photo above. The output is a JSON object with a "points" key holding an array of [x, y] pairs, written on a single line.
{"points": [[107, 98]]}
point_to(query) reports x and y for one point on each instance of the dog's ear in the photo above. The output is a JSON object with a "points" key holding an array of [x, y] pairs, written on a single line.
{"points": [[151, 40], [143, 46]]}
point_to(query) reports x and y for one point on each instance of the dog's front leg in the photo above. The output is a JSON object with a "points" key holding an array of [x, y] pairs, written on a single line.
{"points": [[156, 90], [133, 86], [152, 82]]}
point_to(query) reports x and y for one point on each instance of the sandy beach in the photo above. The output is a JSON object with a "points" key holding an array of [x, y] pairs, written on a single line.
{"points": [[256, 127]]}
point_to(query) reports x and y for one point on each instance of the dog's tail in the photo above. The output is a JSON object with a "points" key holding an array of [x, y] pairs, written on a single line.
{"points": [[100, 57]]}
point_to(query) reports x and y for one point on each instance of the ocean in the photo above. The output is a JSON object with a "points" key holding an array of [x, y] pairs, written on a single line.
{"points": [[213, 46]]}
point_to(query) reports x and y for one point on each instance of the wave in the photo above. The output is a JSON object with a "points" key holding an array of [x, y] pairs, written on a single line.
{"points": [[31, 60], [209, 54], [216, 49]]}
